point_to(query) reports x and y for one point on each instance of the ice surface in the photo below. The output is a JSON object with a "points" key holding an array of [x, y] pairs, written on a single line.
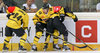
{"points": [[56, 52]]}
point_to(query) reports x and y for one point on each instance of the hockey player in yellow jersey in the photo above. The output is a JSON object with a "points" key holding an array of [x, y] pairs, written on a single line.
{"points": [[44, 16], [17, 23], [40, 19], [55, 22]]}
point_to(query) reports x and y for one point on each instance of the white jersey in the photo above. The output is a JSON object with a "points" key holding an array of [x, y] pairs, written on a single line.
{"points": [[98, 6]]}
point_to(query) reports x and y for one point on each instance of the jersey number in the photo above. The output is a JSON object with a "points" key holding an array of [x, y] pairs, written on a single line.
{"points": [[18, 17]]}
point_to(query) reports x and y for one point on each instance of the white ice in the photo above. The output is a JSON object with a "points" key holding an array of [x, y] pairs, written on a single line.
{"points": [[57, 52]]}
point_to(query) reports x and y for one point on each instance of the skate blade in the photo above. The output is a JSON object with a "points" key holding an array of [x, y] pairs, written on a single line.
{"points": [[66, 50], [33, 50], [44, 49], [63, 50], [20, 51], [4, 51], [57, 49]]}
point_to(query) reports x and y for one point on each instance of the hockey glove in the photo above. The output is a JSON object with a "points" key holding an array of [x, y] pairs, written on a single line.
{"points": [[38, 24], [76, 19], [62, 17]]}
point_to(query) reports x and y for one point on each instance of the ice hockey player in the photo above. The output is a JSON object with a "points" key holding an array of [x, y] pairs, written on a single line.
{"points": [[55, 22], [17, 23], [40, 19]]}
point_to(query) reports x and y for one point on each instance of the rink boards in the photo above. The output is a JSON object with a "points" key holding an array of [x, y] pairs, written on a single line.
{"points": [[87, 29]]}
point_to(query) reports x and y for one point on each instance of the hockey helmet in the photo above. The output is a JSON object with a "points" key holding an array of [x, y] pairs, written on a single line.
{"points": [[46, 6]]}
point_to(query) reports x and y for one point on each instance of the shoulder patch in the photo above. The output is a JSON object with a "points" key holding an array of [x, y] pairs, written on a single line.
{"points": [[11, 9], [56, 8]]}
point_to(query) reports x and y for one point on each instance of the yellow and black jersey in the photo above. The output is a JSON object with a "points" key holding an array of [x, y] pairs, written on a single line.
{"points": [[61, 10], [54, 11], [40, 16], [17, 18]]}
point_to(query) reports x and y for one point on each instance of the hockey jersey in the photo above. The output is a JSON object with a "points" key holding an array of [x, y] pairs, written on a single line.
{"points": [[17, 18], [61, 10], [54, 11], [40, 16]]}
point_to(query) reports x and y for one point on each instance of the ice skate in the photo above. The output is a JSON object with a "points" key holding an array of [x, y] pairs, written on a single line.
{"points": [[34, 48], [22, 49], [65, 47], [56, 47], [45, 47], [5, 49]]}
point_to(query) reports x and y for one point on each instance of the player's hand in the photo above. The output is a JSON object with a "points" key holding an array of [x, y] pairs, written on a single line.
{"points": [[38, 24], [62, 17], [76, 19]]}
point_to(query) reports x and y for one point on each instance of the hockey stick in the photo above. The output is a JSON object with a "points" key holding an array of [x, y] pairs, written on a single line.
{"points": [[82, 41], [11, 44], [63, 39], [29, 42]]}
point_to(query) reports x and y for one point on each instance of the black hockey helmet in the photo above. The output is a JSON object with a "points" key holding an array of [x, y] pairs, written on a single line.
{"points": [[46, 6]]}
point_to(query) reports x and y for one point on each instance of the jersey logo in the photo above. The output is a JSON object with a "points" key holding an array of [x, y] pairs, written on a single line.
{"points": [[56, 8]]}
